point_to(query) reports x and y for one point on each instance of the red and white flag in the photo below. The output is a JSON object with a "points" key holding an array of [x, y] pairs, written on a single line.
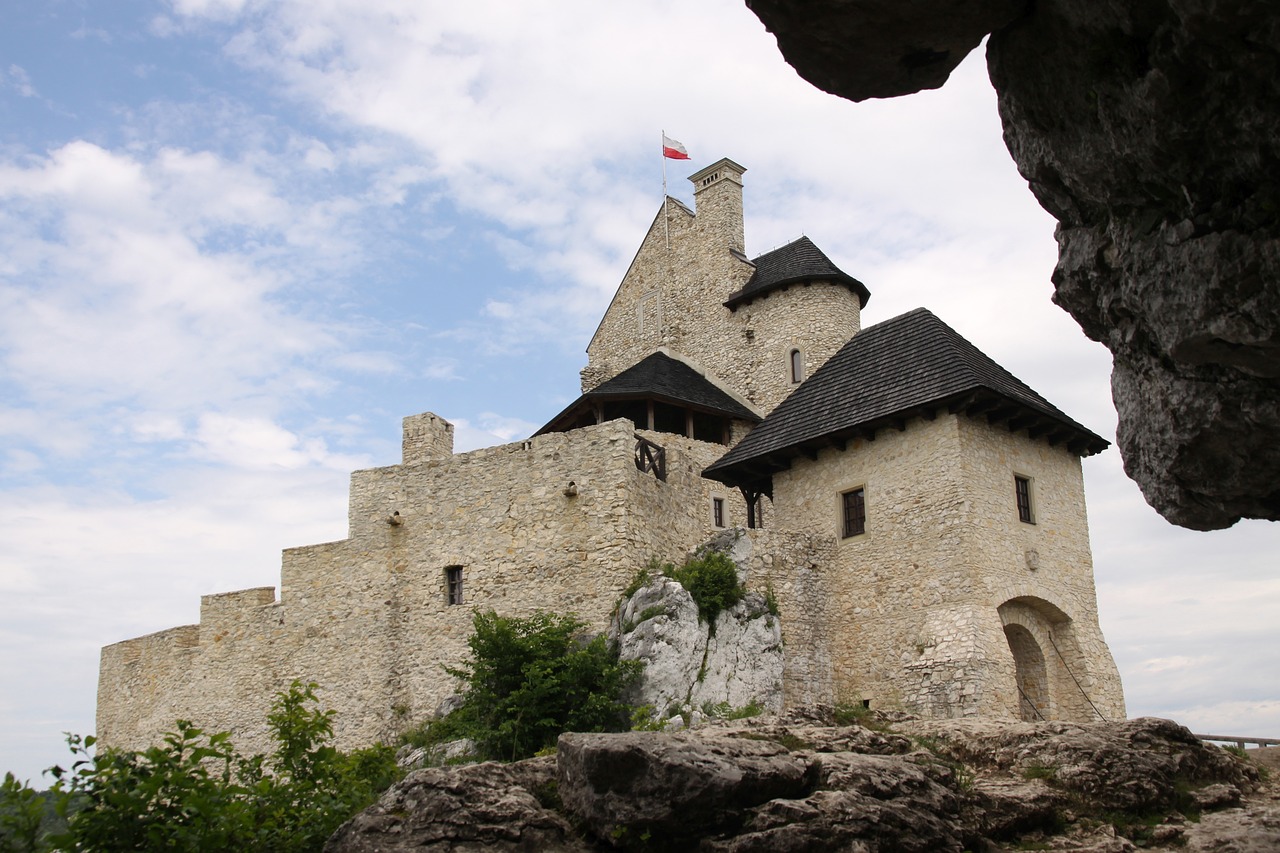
{"points": [[673, 150]]}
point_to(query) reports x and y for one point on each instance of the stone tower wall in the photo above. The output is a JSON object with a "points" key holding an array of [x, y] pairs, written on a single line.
{"points": [[914, 605], [673, 296]]}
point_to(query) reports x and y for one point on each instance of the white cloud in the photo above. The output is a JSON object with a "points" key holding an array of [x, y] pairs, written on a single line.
{"points": [[257, 443], [491, 429], [21, 81]]}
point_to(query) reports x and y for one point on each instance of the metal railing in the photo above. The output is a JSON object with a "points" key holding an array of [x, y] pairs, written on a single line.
{"points": [[1240, 741]]}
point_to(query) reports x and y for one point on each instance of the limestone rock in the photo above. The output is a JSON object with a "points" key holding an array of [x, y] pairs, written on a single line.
{"points": [[790, 783], [687, 665], [474, 807], [1151, 132], [1137, 765], [901, 46], [674, 786]]}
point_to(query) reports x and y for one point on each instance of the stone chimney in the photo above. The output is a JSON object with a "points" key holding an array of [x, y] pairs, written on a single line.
{"points": [[717, 198], [427, 438]]}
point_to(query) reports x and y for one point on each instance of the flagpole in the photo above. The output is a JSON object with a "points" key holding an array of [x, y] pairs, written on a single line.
{"points": [[666, 232]]}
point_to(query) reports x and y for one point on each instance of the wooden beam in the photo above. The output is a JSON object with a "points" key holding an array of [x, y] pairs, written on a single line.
{"points": [[962, 404]]}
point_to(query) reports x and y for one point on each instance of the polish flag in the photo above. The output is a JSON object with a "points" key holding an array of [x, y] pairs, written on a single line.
{"points": [[673, 150]]}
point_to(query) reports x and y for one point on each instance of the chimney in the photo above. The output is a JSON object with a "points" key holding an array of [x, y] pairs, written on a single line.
{"points": [[717, 199]]}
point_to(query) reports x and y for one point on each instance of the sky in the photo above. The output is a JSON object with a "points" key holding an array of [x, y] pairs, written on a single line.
{"points": [[240, 240]]}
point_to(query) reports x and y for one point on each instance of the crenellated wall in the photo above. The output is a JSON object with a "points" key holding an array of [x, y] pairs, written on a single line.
{"points": [[369, 618]]}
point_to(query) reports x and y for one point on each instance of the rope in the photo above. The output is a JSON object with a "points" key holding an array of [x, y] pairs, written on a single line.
{"points": [[1027, 699], [1079, 687]]}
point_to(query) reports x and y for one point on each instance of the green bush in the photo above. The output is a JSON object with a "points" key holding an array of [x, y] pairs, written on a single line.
{"points": [[529, 679], [196, 793], [21, 813], [712, 581]]}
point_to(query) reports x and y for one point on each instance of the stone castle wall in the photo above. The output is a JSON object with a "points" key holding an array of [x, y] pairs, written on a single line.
{"points": [[916, 606], [368, 617]]}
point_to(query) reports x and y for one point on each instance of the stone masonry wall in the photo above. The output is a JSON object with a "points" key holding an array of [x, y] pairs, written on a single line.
{"points": [[368, 617], [914, 604], [673, 297]]}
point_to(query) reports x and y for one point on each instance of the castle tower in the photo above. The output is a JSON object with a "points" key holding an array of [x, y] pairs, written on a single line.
{"points": [[755, 328]]}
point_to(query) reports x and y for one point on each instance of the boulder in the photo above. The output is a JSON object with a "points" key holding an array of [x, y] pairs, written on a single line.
{"points": [[1151, 132], [676, 787], [1139, 766], [490, 807]]}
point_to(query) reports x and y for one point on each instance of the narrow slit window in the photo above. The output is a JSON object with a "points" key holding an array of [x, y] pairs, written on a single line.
{"points": [[854, 513], [717, 511], [1022, 494], [797, 367], [453, 584]]}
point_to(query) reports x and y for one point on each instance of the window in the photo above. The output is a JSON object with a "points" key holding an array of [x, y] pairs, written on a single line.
{"points": [[853, 507], [797, 367], [453, 584], [717, 511], [1022, 494]]}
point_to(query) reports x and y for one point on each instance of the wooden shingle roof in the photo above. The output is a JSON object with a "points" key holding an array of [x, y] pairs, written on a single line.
{"points": [[795, 263], [658, 376], [913, 364]]}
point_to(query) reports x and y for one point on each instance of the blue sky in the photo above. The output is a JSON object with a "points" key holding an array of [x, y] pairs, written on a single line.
{"points": [[240, 240]]}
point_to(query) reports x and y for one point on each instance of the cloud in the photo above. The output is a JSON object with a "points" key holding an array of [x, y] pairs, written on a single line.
{"points": [[494, 101], [491, 428], [20, 81], [256, 443]]}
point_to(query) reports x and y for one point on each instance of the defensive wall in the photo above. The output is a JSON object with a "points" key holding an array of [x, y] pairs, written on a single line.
{"points": [[561, 522]]}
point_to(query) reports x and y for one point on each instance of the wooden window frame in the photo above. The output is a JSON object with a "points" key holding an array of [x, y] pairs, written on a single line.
{"points": [[717, 511], [453, 585], [853, 512], [1024, 498], [795, 365]]}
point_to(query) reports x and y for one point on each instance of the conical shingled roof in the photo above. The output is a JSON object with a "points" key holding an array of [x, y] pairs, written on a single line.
{"points": [[661, 377], [795, 263], [909, 365]]}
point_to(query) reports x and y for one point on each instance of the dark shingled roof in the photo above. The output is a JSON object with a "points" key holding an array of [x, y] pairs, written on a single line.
{"points": [[794, 263], [661, 377], [910, 365]]}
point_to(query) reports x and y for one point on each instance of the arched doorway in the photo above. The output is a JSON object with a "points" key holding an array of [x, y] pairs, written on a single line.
{"points": [[1030, 673]]}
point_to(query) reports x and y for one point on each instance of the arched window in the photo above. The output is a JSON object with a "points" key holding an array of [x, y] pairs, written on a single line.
{"points": [[796, 362]]}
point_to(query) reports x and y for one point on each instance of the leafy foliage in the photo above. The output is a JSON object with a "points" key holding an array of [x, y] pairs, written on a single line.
{"points": [[196, 793], [712, 580], [21, 812], [529, 679]]}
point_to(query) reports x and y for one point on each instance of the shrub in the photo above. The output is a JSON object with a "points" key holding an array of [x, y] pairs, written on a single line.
{"points": [[712, 581], [21, 813], [530, 679], [196, 793]]}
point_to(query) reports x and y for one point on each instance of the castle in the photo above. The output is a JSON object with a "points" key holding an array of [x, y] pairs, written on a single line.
{"points": [[917, 511]]}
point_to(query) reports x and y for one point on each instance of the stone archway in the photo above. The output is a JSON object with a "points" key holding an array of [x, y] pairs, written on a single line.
{"points": [[1030, 673]]}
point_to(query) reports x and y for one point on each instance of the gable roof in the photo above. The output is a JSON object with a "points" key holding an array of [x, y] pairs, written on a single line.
{"points": [[797, 262], [910, 365], [658, 376]]}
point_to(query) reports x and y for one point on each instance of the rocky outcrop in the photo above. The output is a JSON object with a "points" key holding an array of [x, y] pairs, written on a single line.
{"points": [[690, 664], [1151, 132], [472, 807], [792, 783]]}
